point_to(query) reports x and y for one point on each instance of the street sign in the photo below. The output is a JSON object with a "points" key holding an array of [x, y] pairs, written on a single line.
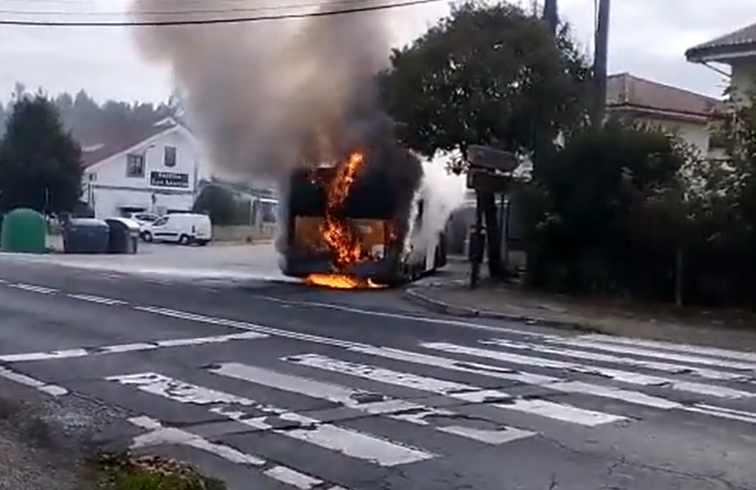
{"points": [[487, 182], [486, 157]]}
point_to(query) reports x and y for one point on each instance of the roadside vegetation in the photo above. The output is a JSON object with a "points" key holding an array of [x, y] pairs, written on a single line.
{"points": [[613, 209], [128, 472]]}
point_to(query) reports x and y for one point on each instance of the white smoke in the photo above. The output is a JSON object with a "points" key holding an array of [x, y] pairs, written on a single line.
{"points": [[442, 192]]}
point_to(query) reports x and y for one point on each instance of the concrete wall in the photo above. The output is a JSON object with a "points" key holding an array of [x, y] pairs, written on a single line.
{"points": [[107, 202], [246, 234]]}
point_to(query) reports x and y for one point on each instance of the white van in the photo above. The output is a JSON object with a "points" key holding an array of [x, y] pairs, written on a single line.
{"points": [[183, 228]]}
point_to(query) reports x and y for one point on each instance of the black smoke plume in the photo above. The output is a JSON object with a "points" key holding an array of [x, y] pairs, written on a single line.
{"points": [[260, 93]]}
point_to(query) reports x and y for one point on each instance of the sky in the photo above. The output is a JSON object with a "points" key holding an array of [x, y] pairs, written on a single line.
{"points": [[647, 38]]}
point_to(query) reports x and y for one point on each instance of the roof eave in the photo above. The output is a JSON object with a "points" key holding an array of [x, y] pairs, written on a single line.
{"points": [[720, 54], [692, 117]]}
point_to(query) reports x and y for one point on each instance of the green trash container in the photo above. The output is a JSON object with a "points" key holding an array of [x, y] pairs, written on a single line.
{"points": [[24, 231]]}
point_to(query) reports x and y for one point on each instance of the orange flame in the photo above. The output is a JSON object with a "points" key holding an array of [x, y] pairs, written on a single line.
{"points": [[343, 242], [341, 281]]}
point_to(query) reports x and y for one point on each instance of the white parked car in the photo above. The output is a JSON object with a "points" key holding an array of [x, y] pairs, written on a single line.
{"points": [[183, 228], [143, 219]]}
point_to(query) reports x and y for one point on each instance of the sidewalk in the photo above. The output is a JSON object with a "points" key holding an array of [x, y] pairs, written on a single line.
{"points": [[725, 329]]}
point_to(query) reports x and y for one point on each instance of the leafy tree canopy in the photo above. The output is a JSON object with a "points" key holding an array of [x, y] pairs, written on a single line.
{"points": [[40, 163], [487, 74], [90, 121], [221, 205]]}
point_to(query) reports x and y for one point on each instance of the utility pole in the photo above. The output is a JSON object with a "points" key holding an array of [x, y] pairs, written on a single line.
{"points": [[551, 14], [600, 61]]}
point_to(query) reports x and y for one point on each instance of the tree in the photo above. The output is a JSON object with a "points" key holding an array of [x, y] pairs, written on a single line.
{"points": [[489, 75], [2, 119], [221, 205], [40, 163]]}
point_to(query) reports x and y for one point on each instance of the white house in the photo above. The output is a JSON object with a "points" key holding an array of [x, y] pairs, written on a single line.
{"points": [[156, 169], [668, 108], [736, 49]]}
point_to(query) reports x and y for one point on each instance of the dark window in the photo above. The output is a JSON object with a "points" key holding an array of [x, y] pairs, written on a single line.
{"points": [[269, 212], [169, 156], [134, 165], [146, 217]]}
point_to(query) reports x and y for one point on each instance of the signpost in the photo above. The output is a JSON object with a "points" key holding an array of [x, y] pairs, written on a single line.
{"points": [[489, 172]]}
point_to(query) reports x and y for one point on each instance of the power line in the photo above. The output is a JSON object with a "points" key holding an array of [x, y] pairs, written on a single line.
{"points": [[233, 20], [230, 10]]}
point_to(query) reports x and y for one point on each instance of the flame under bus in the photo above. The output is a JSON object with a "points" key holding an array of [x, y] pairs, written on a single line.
{"points": [[368, 210]]}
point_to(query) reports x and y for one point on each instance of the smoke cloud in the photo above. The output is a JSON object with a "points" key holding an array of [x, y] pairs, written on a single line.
{"points": [[258, 91], [266, 95]]}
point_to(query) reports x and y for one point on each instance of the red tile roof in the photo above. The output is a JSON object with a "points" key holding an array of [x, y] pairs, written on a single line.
{"points": [[115, 141], [744, 38], [625, 90]]}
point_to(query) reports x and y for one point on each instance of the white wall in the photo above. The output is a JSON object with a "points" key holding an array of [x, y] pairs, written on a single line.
{"points": [[694, 133], [109, 187], [743, 77], [107, 202]]}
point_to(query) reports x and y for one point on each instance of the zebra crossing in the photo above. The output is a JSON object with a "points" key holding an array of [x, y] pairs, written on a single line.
{"points": [[422, 390]]}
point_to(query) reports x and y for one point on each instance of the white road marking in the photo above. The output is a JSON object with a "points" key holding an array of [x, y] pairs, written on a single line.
{"points": [[345, 441], [32, 382], [159, 435], [121, 348], [428, 360], [44, 356], [615, 374], [554, 383], [292, 477], [459, 391], [630, 361], [723, 412], [550, 382], [392, 408], [670, 346], [671, 356], [97, 299], [33, 288]]}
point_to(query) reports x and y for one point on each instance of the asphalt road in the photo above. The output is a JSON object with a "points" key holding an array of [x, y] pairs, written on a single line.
{"points": [[272, 385]]}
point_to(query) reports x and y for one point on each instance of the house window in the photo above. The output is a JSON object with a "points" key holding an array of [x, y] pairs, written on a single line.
{"points": [[134, 165], [169, 156]]}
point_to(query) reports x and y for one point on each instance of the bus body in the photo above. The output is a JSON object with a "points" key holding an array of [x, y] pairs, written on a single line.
{"points": [[371, 213]]}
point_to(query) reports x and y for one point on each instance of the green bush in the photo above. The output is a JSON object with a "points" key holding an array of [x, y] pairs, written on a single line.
{"points": [[580, 205], [125, 472]]}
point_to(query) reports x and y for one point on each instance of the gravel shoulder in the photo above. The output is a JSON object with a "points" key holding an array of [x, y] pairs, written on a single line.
{"points": [[47, 443]]}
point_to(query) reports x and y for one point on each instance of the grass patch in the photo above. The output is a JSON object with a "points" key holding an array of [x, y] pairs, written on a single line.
{"points": [[128, 472]]}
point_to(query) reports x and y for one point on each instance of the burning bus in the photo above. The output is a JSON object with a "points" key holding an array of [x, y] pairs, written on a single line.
{"points": [[346, 225]]}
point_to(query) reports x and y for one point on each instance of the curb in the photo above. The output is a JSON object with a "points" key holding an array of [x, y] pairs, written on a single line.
{"points": [[413, 295]]}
